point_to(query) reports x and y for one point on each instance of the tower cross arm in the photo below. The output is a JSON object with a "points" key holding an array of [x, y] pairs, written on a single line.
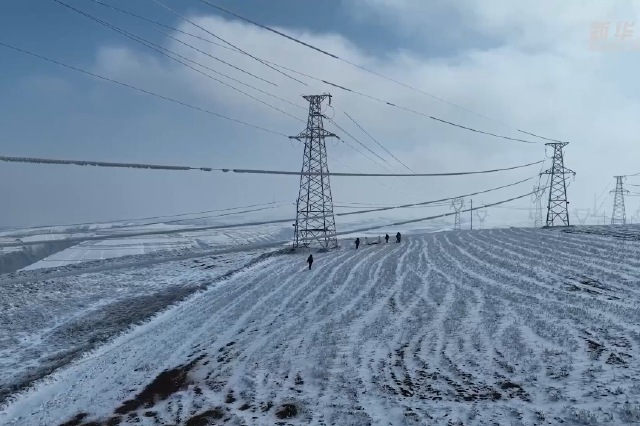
{"points": [[320, 133], [564, 169]]}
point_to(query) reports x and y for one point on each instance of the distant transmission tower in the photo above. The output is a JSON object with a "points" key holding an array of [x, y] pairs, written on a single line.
{"points": [[582, 219], [315, 224], [482, 215], [457, 204], [536, 197], [619, 215], [558, 207]]}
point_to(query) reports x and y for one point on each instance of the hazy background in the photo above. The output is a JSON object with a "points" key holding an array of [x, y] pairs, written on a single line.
{"points": [[524, 63]]}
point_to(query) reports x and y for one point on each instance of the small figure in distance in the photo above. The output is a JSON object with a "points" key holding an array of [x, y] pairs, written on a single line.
{"points": [[357, 242], [386, 237], [398, 236], [310, 260]]}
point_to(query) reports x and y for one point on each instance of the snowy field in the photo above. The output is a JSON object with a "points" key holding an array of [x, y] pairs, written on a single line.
{"points": [[109, 249], [46, 323], [506, 327]]}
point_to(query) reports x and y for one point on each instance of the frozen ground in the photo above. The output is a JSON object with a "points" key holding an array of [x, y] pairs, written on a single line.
{"points": [[91, 251], [47, 323], [507, 327]]}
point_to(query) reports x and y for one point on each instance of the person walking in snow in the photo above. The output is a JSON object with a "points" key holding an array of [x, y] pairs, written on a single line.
{"points": [[357, 242], [398, 236], [386, 237], [310, 260]]}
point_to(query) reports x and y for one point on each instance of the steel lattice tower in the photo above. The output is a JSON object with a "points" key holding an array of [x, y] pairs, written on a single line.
{"points": [[582, 220], [482, 215], [558, 207], [457, 204], [619, 215], [536, 197], [315, 224]]}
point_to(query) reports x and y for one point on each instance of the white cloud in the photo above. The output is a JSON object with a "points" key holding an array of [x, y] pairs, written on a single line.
{"points": [[539, 77]]}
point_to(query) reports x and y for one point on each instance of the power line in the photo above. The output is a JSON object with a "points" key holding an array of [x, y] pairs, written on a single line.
{"points": [[433, 217], [200, 218], [374, 98], [365, 69], [375, 180], [363, 154], [379, 144], [361, 144], [414, 207], [152, 217], [280, 172], [214, 227], [224, 41], [435, 201], [243, 171], [213, 57], [234, 49], [142, 90], [156, 48], [158, 23], [101, 164], [237, 50], [177, 30]]}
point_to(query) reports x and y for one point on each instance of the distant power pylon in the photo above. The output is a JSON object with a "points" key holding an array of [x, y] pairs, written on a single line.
{"points": [[578, 214], [482, 215], [619, 215], [315, 224], [457, 204], [536, 197], [558, 207]]}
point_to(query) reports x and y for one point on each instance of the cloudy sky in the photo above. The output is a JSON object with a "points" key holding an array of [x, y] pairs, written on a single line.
{"points": [[523, 64]]}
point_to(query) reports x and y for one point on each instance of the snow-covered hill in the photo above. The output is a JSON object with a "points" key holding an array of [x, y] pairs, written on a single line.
{"points": [[60, 253], [508, 327]]}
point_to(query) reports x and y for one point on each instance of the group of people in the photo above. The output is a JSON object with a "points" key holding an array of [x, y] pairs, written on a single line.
{"points": [[386, 238]]}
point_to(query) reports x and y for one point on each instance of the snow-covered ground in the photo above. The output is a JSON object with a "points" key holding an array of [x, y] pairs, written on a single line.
{"points": [[508, 327], [47, 323], [90, 251]]}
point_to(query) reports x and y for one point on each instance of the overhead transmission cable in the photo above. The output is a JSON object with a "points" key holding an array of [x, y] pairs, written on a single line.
{"points": [[226, 42], [379, 144], [115, 221], [233, 49], [435, 201], [142, 90], [434, 217], [236, 50], [177, 30], [282, 172], [101, 164], [375, 180], [213, 227], [200, 218], [366, 69], [157, 48], [364, 146], [241, 171]]}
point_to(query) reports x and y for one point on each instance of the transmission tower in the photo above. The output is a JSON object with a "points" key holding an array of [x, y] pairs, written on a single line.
{"points": [[457, 204], [482, 215], [582, 219], [619, 215], [315, 224], [536, 197], [558, 207]]}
